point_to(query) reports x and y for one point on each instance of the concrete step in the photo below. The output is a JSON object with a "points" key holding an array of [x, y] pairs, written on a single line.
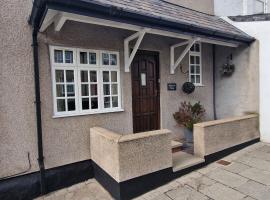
{"points": [[176, 144], [182, 160]]}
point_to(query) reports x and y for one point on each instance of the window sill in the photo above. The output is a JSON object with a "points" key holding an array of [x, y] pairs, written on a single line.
{"points": [[199, 85], [87, 113]]}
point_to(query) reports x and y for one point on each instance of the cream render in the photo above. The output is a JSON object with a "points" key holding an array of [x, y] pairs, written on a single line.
{"points": [[125, 157], [66, 140], [231, 131]]}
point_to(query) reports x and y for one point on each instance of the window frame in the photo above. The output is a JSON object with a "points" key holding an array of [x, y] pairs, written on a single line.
{"points": [[198, 54], [77, 67]]}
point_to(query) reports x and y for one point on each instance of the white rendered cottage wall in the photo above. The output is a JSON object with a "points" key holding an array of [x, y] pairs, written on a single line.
{"points": [[261, 30], [240, 7]]}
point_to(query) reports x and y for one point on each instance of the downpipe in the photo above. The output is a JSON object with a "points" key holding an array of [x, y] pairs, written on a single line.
{"points": [[214, 81], [43, 189]]}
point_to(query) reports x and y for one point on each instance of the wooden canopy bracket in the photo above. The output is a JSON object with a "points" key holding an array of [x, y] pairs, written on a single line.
{"points": [[174, 64], [129, 57]]}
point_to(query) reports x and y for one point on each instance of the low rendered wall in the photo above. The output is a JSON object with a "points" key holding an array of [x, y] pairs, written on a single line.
{"points": [[213, 136], [125, 157]]}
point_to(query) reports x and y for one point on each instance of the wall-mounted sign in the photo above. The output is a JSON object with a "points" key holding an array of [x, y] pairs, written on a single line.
{"points": [[143, 79], [171, 86]]}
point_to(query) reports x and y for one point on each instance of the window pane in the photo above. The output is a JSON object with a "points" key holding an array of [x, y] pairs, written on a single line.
{"points": [[70, 76], [197, 59], [93, 76], [113, 59], [84, 76], [192, 78], [83, 57], [93, 89], [198, 79], [58, 56], [70, 90], [92, 58], [60, 90], [192, 48], [59, 75], [106, 77], [192, 60], [106, 89], [114, 102], [85, 90], [192, 69], [198, 69], [114, 76], [61, 105], [105, 58], [68, 56], [85, 103], [71, 104], [107, 102], [114, 89], [94, 103]]}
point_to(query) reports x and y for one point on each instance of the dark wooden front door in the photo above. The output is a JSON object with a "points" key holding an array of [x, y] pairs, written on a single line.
{"points": [[145, 91]]}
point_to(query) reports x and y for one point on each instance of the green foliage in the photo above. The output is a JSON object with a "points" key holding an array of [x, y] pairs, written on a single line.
{"points": [[189, 114]]}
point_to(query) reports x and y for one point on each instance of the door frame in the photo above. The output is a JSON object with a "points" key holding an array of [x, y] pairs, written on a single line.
{"points": [[157, 57]]}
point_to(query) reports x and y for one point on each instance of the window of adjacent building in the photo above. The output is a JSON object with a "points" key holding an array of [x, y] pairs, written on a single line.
{"points": [[85, 81], [195, 65]]}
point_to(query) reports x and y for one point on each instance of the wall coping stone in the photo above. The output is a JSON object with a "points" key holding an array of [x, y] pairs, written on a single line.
{"points": [[227, 120]]}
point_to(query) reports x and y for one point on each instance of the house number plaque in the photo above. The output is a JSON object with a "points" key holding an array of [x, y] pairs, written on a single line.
{"points": [[171, 86]]}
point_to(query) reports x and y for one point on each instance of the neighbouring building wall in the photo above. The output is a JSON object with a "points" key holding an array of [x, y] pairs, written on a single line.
{"points": [[239, 93], [17, 107], [239, 7], [228, 7], [205, 6], [264, 70]]}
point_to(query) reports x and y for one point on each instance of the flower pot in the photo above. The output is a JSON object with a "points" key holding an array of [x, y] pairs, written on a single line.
{"points": [[188, 135]]}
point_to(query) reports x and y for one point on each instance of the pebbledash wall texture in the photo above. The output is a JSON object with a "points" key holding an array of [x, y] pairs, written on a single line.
{"points": [[66, 140]]}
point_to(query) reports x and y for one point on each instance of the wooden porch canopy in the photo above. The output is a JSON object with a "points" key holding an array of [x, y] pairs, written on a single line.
{"points": [[143, 17]]}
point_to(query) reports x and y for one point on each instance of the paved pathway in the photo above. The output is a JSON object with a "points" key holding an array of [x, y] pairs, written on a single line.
{"points": [[246, 178]]}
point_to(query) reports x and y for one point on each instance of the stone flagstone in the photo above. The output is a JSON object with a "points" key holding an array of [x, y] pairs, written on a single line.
{"points": [[236, 167], [255, 190], [222, 192], [257, 175], [227, 178], [186, 193]]}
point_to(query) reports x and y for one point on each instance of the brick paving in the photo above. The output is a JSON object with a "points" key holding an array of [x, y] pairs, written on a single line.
{"points": [[246, 178]]}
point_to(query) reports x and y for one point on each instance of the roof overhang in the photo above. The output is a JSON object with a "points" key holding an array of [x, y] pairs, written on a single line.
{"points": [[46, 12]]}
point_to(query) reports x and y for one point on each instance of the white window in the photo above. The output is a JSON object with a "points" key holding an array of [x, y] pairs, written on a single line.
{"points": [[195, 64], [85, 81]]}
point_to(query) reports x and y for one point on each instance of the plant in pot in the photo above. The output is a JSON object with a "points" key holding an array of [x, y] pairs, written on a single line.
{"points": [[188, 115]]}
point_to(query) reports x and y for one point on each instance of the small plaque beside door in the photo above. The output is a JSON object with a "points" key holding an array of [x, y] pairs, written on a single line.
{"points": [[171, 86]]}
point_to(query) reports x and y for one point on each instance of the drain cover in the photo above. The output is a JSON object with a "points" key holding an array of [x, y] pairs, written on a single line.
{"points": [[223, 162]]}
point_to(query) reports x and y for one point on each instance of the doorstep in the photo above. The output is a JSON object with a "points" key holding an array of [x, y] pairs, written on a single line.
{"points": [[182, 160], [176, 146]]}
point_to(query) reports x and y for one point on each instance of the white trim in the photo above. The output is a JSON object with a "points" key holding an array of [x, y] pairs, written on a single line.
{"points": [[114, 24], [76, 67], [79, 50], [89, 113], [49, 19], [198, 54], [59, 21], [129, 57]]}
